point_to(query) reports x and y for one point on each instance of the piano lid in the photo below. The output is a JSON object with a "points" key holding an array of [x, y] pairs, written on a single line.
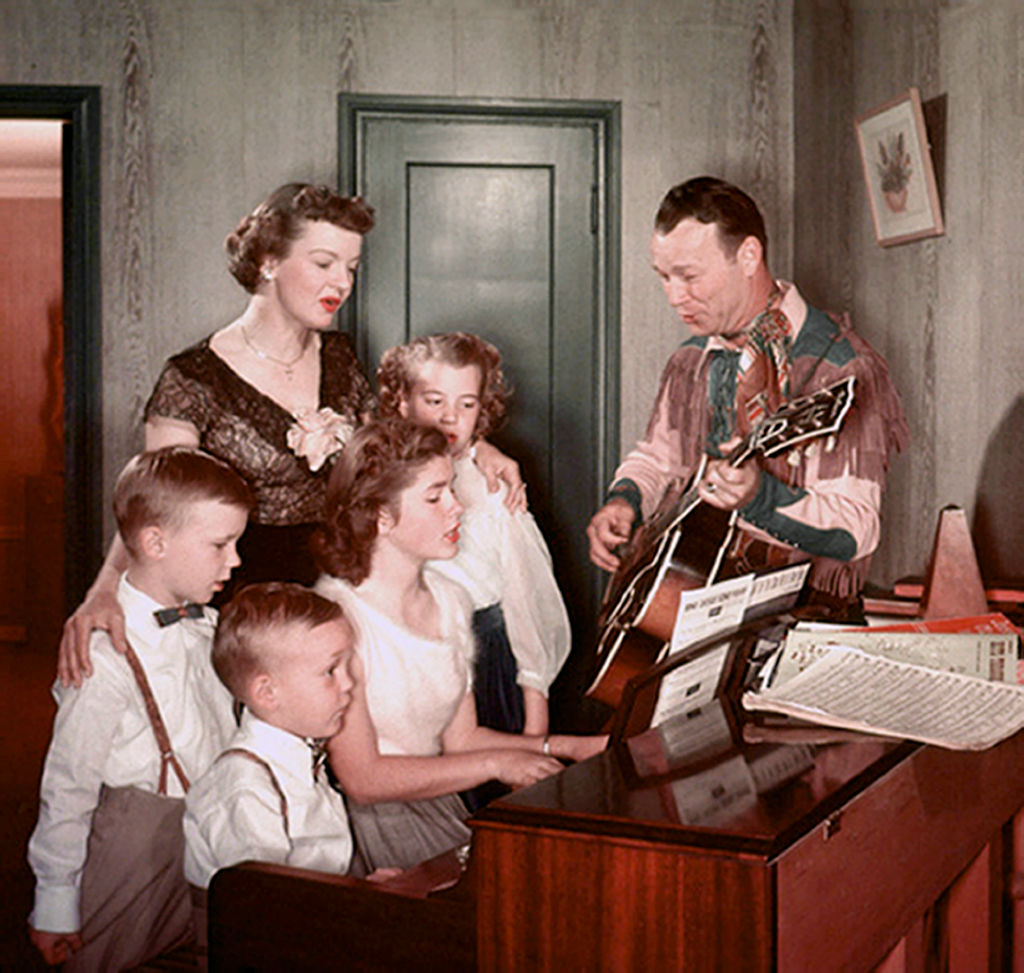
{"points": [[698, 780]]}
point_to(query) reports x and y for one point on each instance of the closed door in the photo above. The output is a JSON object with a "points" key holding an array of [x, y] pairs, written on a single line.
{"points": [[495, 221]]}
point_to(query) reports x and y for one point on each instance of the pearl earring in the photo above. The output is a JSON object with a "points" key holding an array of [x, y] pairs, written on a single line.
{"points": [[267, 276]]}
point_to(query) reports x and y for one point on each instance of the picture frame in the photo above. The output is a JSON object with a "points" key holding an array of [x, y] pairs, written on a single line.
{"points": [[898, 171]]}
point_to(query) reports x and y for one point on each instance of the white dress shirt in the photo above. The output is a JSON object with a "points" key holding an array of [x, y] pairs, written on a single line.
{"points": [[102, 735], [233, 813]]}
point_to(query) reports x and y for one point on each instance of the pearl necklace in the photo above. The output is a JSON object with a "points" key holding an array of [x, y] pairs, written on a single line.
{"points": [[288, 366]]}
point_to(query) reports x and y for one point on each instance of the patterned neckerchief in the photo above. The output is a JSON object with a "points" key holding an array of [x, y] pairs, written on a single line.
{"points": [[762, 374], [749, 375]]}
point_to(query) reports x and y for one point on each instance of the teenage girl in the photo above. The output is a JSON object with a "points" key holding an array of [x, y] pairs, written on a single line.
{"points": [[411, 740]]}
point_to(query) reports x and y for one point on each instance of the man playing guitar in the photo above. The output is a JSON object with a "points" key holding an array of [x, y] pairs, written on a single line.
{"points": [[754, 345]]}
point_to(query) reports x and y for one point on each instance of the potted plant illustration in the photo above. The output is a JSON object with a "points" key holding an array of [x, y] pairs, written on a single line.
{"points": [[894, 171]]}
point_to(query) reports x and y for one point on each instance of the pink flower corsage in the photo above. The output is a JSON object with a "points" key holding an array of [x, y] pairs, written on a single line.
{"points": [[317, 435]]}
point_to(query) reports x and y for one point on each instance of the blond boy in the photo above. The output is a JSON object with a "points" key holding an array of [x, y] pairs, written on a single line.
{"points": [[284, 652], [180, 513]]}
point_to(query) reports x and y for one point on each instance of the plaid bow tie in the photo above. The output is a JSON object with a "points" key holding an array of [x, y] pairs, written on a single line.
{"points": [[318, 749], [168, 616]]}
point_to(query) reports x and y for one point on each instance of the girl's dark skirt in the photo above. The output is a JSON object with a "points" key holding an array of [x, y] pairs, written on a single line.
{"points": [[499, 698]]}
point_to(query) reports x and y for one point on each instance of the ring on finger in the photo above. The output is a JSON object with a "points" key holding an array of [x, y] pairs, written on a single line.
{"points": [[711, 488]]}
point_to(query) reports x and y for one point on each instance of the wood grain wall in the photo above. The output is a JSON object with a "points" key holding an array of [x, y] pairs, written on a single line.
{"points": [[945, 311], [207, 106]]}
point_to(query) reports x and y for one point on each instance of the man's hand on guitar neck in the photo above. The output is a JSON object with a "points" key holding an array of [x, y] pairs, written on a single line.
{"points": [[726, 486], [608, 528]]}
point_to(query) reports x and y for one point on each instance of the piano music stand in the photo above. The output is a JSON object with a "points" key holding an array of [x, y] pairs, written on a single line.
{"points": [[640, 695]]}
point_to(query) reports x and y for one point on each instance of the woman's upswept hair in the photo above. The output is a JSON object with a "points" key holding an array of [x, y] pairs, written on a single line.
{"points": [[399, 368], [240, 645], [271, 228], [379, 462]]}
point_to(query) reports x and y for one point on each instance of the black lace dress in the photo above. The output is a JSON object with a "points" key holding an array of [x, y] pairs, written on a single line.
{"points": [[240, 425]]}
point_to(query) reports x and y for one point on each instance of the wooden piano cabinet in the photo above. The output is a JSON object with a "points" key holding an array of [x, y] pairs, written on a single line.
{"points": [[886, 858], [1015, 889], [911, 861], [549, 901]]}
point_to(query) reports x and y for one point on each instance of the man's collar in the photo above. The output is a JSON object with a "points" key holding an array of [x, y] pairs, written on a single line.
{"points": [[792, 305]]}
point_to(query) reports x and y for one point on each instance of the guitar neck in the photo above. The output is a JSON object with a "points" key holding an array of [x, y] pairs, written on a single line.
{"points": [[741, 453]]}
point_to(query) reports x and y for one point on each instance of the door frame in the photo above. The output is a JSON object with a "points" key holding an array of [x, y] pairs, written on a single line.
{"points": [[606, 116], [79, 106]]}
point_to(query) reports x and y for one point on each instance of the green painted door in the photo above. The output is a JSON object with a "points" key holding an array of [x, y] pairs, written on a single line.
{"points": [[495, 221]]}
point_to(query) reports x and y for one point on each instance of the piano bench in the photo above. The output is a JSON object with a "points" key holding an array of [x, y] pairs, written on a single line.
{"points": [[267, 917]]}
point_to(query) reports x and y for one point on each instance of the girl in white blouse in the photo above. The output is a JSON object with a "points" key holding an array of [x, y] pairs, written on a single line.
{"points": [[411, 740]]}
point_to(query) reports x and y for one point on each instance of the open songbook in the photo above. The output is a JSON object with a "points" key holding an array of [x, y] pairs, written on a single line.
{"points": [[982, 645], [852, 689]]}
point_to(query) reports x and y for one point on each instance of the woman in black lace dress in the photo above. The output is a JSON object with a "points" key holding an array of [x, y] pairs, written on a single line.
{"points": [[276, 393]]}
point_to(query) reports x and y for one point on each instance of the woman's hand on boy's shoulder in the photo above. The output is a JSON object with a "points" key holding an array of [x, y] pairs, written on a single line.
{"points": [[55, 947], [100, 610], [497, 467]]}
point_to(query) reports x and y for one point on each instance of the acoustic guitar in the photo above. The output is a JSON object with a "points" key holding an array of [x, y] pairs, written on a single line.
{"points": [[684, 544]]}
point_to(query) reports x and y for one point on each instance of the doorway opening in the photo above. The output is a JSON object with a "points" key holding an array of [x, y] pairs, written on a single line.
{"points": [[51, 516], [31, 360]]}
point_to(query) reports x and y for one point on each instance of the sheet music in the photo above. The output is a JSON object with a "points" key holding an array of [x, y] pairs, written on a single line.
{"points": [[713, 608], [853, 689], [704, 612], [985, 655], [774, 585], [727, 604], [690, 684]]}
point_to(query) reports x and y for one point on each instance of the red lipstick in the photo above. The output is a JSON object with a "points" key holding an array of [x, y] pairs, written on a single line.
{"points": [[330, 304]]}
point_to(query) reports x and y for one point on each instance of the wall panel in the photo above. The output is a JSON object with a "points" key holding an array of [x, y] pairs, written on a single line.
{"points": [[207, 106], [944, 311]]}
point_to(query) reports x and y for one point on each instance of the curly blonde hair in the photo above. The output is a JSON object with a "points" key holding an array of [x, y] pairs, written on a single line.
{"points": [[379, 462], [399, 368]]}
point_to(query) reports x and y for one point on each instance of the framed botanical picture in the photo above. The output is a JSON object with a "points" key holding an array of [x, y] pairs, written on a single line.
{"points": [[898, 171]]}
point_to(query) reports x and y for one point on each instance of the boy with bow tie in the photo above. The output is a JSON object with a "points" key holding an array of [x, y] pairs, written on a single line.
{"points": [[285, 652], [107, 849]]}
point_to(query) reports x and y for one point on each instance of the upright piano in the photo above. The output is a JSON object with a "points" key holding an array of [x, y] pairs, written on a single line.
{"points": [[706, 843]]}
